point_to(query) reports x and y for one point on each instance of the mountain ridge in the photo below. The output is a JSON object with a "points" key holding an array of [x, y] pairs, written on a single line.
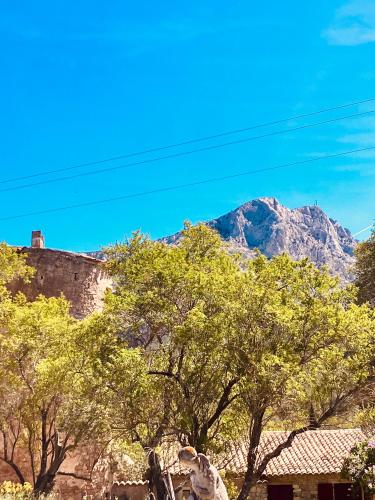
{"points": [[267, 225]]}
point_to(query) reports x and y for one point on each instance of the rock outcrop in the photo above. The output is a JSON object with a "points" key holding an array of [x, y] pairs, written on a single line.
{"points": [[267, 225]]}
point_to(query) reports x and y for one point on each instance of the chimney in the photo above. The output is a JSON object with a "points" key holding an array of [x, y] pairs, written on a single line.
{"points": [[37, 239]]}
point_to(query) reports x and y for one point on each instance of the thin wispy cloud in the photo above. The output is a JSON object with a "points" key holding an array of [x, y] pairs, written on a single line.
{"points": [[138, 33], [353, 24], [360, 133]]}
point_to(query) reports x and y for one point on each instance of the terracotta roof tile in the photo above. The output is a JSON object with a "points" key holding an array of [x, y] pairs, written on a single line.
{"points": [[313, 452], [130, 483]]}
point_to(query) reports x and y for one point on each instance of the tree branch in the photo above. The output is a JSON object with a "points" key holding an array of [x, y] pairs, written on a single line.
{"points": [[223, 402], [76, 476]]}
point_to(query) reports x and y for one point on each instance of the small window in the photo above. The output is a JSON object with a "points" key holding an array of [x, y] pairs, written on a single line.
{"points": [[75, 276], [280, 492], [325, 491], [337, 491]]}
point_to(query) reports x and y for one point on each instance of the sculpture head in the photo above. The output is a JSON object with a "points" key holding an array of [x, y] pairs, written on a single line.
{"points": [[189, 458]]}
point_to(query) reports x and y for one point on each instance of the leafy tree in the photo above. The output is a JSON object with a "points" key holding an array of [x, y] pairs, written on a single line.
{"points": [[359, 467], [365, 270], [170, 301], [51, 401], [54, 383], [302, 348], [229, 342], [12, 266], [137, 407]]}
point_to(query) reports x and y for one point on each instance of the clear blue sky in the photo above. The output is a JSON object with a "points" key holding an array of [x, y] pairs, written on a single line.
{"points": [[85, 80]]}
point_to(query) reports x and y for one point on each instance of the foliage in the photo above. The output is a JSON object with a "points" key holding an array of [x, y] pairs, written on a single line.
{"points": [[303, 350], [365, 270], [55, 384], [230, 485], [194, 343], [17, 491], [128, 459], [12, 267], [172, 302], [51, 401], [359, 467], [226, 341]]}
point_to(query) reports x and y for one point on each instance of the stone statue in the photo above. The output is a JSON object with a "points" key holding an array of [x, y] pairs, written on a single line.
{"points": [[205, 479]]}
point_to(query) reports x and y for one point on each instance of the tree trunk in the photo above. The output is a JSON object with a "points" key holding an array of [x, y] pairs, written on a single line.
{"points": [[255, 433], [156, 479], [45, 484], [201, 441], [16, 470], [249, 475], [252, 474], [45, 481]]}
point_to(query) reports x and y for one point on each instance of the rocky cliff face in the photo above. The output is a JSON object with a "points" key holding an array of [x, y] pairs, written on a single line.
{"points": [[267, 225]]}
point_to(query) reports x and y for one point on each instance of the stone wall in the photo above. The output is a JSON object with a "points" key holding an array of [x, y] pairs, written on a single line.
{"points": [[305, 486], [67, 487], [78, 277]]}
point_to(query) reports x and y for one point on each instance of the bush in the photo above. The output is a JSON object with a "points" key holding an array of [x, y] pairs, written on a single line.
{"points": [[18, 491], [359, 467], [10, 490]]}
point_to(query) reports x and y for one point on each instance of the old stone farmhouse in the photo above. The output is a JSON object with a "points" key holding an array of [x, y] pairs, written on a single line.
{"points": [[308, 470], [79, 277]]}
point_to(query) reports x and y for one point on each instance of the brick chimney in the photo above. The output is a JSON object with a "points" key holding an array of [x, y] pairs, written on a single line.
{"points": [[37, 239]]}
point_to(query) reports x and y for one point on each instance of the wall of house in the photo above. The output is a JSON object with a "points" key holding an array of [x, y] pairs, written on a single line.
{"points": [[305, 487], [79, 278], [66, 486]]}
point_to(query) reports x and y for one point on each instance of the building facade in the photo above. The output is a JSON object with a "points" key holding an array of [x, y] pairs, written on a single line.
{"points": [[80, 278]]}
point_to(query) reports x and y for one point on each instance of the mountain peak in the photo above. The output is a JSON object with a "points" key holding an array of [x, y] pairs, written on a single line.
{"points": [[265, 224]]}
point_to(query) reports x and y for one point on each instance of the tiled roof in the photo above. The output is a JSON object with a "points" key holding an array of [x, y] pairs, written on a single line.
{"points": [[313, 452], [131, 483]]}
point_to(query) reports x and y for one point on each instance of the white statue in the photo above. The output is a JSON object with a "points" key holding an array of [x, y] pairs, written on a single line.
{"points": [[205, 479]]}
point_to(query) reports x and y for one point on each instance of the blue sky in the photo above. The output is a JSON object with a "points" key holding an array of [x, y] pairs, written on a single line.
{"points": [[86, 80]]}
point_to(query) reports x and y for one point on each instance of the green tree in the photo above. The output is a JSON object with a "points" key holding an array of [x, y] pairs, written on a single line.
{"points": [[303, 350], [55, 385], [170, 301], [234, 346], [365, 270], [12, 266], [359, 467], [51, 400]]}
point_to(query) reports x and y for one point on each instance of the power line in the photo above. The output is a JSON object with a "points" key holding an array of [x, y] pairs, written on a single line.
{"points": [[186, 185], [184, 143], [185, 153], [363, 230]]}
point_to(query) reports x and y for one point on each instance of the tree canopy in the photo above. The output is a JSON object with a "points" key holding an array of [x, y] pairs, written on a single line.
{"points": [[50, 400], [195, 344], [365, 269], [265, 342]]}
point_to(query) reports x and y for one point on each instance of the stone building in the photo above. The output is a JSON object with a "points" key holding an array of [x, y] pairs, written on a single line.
{"points": [[79, 277], [308, 470]]}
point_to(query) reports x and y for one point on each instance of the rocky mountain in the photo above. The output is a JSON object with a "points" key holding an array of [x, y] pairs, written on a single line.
{"points": [[267, 225]]}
